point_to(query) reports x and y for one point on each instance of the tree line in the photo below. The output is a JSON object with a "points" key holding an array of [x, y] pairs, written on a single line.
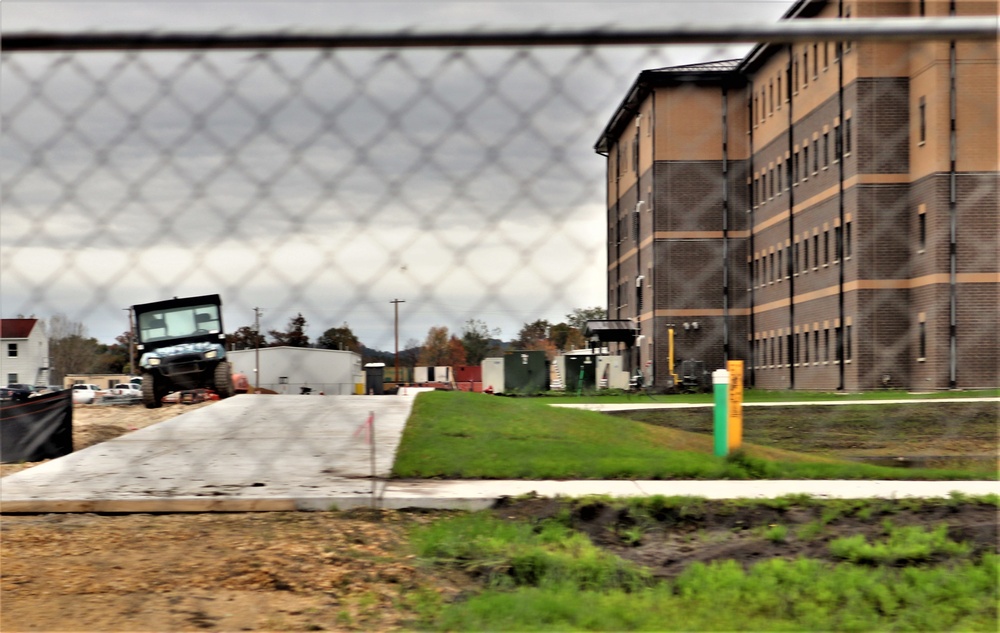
{"points": [[441, 347], [72, 351]]}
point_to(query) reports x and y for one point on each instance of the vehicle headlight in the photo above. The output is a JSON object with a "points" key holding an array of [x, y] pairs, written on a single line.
{"points": [[212, 353], [154, 361]]}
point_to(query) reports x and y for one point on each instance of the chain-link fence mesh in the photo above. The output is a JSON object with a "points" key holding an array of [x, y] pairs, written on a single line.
{"points": [[328, 177]]}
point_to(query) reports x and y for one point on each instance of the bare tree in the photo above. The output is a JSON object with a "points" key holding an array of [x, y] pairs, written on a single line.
{"points": [[71, 351]]}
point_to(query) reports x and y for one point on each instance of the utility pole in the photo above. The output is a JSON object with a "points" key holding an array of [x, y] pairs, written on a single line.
{"points": [[131, 342], [396, 303], [256, 345]]}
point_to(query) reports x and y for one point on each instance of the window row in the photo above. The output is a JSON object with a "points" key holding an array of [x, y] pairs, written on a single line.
{"points": [[824, 150], [626, 227], [625, 290], [803, 348], [809, 252], [806, 62]]}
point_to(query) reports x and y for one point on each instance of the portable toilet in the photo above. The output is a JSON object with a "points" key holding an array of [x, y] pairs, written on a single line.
{"points": [[492, 375]]}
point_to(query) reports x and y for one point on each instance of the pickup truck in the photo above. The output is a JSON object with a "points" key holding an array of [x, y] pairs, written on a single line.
{"points": [[126, 389]]}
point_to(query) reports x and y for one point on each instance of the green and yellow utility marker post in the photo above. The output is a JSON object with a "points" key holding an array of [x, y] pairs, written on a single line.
{"points": [[727, 427]]}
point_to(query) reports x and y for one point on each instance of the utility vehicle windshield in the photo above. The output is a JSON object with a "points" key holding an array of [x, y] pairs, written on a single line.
{"points": [[178, 323]]}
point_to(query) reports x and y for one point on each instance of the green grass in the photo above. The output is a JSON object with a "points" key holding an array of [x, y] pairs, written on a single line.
{"points": [[462, 435], [548, 578]]}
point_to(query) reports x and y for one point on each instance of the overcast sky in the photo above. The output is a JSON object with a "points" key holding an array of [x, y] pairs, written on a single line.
{"points": [[462, 182]]}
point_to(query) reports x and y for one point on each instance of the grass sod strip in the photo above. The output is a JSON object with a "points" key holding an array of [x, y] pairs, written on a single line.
{"points": [[456, 435]]}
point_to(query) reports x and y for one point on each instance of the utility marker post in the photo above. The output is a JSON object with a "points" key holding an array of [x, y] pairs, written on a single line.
{"points": [[720, 418], [735, 437]]}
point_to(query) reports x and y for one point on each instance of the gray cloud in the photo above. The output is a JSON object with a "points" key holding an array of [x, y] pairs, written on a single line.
{"points": [[462, 181]]}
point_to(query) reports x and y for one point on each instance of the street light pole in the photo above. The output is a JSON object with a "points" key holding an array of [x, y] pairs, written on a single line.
{"points": [[396, 303]]}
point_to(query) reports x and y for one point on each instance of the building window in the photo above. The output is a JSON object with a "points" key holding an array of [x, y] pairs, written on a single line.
{"points": [[816, 250], [780, 181], [789, 350], [826, 345], [795, 258], [12, 352], [922, 231], [779, 359], [795, 168], [847, 239], [816, 159], [826, 247], [805, 255], [826, 150], [847, 16], [771, 272], [847, 343], [805, 346], [847, 136], [781, 97], [11, 379], [838, 243], [770, 98], [805, 162], [922, 341], [795, 74], [805, 67], [779, 264], [815, 61], [826, 55], [922, 120]]}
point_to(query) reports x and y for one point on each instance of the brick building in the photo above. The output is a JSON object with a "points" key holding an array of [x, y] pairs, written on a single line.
{"points": [[827, 212]]}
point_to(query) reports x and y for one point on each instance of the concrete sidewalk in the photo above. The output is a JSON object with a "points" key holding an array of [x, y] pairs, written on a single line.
{"points": [[275, 453]]}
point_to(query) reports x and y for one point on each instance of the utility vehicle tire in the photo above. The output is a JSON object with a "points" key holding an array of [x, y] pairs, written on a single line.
{"points": [[223, 382], [151, 396]]}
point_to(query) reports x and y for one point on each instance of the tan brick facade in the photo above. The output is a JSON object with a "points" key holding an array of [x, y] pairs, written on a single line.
{"points": [[802, 207]]}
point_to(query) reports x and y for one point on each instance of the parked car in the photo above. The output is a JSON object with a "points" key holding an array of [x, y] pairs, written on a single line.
{"points": [[10, 394], [129, 389], [85, 394]]}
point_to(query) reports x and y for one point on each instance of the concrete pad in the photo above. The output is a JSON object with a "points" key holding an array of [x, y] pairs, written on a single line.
{"points": [[254, 453], [245, 452]]}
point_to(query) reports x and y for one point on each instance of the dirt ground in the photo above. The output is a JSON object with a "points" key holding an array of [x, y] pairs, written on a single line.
{"points": [[355, 570]]}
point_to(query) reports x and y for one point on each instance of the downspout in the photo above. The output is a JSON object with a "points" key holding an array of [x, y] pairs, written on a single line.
{"points": [[841, 310], [725, 224], [953, 215], [751, 377], [789, 265]]}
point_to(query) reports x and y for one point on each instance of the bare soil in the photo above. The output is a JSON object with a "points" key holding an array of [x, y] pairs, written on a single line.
{"points": [[355, 570]]}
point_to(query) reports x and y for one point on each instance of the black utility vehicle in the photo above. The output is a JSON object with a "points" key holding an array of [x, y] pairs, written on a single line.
{"points": [[183, 346]]}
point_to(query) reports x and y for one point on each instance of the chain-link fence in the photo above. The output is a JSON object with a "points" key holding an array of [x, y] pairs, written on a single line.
{"points": [[327, 175]]}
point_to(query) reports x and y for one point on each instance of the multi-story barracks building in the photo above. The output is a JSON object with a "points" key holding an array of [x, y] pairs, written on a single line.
{"points": [[826, 212]]}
